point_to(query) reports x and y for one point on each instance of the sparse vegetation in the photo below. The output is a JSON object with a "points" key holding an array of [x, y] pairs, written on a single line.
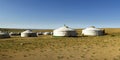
{"points": [[71, 48]]}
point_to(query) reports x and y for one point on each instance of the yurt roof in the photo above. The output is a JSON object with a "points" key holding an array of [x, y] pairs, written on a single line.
{"points": [[64, 28], [28, 31], [92, 28]]}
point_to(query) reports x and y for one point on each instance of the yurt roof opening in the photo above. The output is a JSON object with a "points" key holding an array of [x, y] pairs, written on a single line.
{"points": [[28, 33], [92, 31], [64, 31]]}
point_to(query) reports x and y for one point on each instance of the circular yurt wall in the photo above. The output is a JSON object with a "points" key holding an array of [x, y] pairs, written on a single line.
{"points": [[40, 33], [92, 31], [60, 33], [28, 33], [64, 31], [4, 35]]}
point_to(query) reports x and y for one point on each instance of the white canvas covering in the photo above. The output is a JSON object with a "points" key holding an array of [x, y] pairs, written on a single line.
{"points": [[28, 33], [64, 31], [92, 31]]}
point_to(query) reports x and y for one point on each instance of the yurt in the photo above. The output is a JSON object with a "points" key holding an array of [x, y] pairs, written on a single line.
{"points": [[28, 33], [4, 35], [46, 33], [39, 33], [64, 31], [13, 34], [92, 31], [51, 33]]}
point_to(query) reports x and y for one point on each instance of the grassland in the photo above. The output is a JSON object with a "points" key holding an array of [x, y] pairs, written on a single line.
{"points": [[46, 47]]}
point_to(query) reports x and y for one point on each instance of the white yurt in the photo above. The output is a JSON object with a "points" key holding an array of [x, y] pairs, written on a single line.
{"points": [[39, 33], [92, 31], [64, 31], [46, 33], [28, 33], [4, 35], [51, 33], [13, 34]]}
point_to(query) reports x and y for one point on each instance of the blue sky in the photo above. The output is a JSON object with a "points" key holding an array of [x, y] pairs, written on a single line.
{"points": [[50, 14]]}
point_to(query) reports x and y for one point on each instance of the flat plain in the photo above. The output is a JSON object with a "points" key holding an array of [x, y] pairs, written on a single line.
{"points": [[47, 47]]}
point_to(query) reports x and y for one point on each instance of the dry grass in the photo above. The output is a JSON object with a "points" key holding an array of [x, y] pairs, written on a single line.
{"points": [[62, 48]]}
